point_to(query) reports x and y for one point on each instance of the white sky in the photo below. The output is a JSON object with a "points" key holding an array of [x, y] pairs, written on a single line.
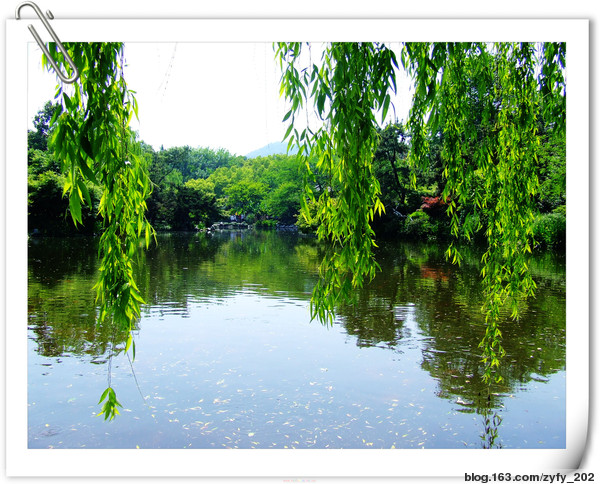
{"points": [[216, 95]]}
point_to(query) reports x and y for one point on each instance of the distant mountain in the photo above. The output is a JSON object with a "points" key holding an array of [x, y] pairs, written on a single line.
{"points": [[271, 149]]}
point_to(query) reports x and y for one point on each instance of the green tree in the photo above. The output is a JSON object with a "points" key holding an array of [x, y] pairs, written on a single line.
{"points": [[47, 208], [552, 172], [400, 196], [508, 86], [204, 161], [196, 206], [41, 161], [393, 174], [45, 202], [166, 182], [38, 139], [221, 178], [499, 84], [263, 187], [283, 203], [245, 196]]}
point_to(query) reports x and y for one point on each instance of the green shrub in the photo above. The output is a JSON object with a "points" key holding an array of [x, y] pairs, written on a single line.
{"points": [[550, 229], [266, 224], [418, 225]]}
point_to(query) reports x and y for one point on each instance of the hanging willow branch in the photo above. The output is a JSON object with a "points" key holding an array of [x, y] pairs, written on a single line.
{"points": [[92, 139], [484, 101], [352, 83]]}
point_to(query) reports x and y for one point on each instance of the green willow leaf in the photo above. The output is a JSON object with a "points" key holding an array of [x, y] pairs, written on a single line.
{"points": [[84, 192], [386, 106], [103, 396], [75, 207]]}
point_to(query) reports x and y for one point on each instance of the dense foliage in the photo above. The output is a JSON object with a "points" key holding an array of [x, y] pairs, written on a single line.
{"points": [[192, 188], [487, 103], [483, 103], [196, 187]]}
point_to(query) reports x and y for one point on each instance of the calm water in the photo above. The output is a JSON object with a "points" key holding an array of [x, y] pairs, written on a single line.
{"points": [[226, 355]]}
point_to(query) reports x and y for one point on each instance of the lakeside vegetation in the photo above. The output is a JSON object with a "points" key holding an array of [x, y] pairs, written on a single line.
{"points": [[193, 188]]}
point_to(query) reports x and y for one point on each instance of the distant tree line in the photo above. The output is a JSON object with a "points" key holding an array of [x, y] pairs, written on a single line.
{"points": [[196, 187]]}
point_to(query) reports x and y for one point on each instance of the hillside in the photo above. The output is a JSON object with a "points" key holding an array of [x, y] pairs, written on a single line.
{"points": [[271, 149]]}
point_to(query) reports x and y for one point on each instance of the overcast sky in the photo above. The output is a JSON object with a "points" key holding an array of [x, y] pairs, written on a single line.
{"points": [[216, 95]]}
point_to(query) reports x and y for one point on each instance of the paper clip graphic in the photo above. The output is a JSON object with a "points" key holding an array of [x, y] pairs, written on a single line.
{"points": [[42, 17]]}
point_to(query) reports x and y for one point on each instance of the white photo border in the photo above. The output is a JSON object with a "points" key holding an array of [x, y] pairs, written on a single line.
{"points": [[21, 461]]}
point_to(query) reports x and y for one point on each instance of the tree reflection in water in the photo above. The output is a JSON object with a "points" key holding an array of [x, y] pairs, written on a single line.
{"points": [[442, 304], [419, 306]]}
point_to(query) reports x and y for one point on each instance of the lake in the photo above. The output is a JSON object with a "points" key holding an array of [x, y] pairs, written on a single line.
{"points": [[227, 356]]}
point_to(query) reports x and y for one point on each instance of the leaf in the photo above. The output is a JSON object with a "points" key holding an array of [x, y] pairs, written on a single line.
{"points": [[86, 147], [104, 394], [129, 341], [75, 207], [67, 101], [135, 107], [289, 130], [84, 192]]}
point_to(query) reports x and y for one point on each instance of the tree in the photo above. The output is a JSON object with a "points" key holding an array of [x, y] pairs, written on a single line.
{"points": [[499, 154], [245, 196], [196, 205], [283, 203], [91, 137], [553, 172], [38, 139], [513, 85], [47, 208], [391, 149]]}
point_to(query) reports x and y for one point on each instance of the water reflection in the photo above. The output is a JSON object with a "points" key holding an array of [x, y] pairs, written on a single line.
{"points": [[421, 310], [442, 302], [61, 301]]}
